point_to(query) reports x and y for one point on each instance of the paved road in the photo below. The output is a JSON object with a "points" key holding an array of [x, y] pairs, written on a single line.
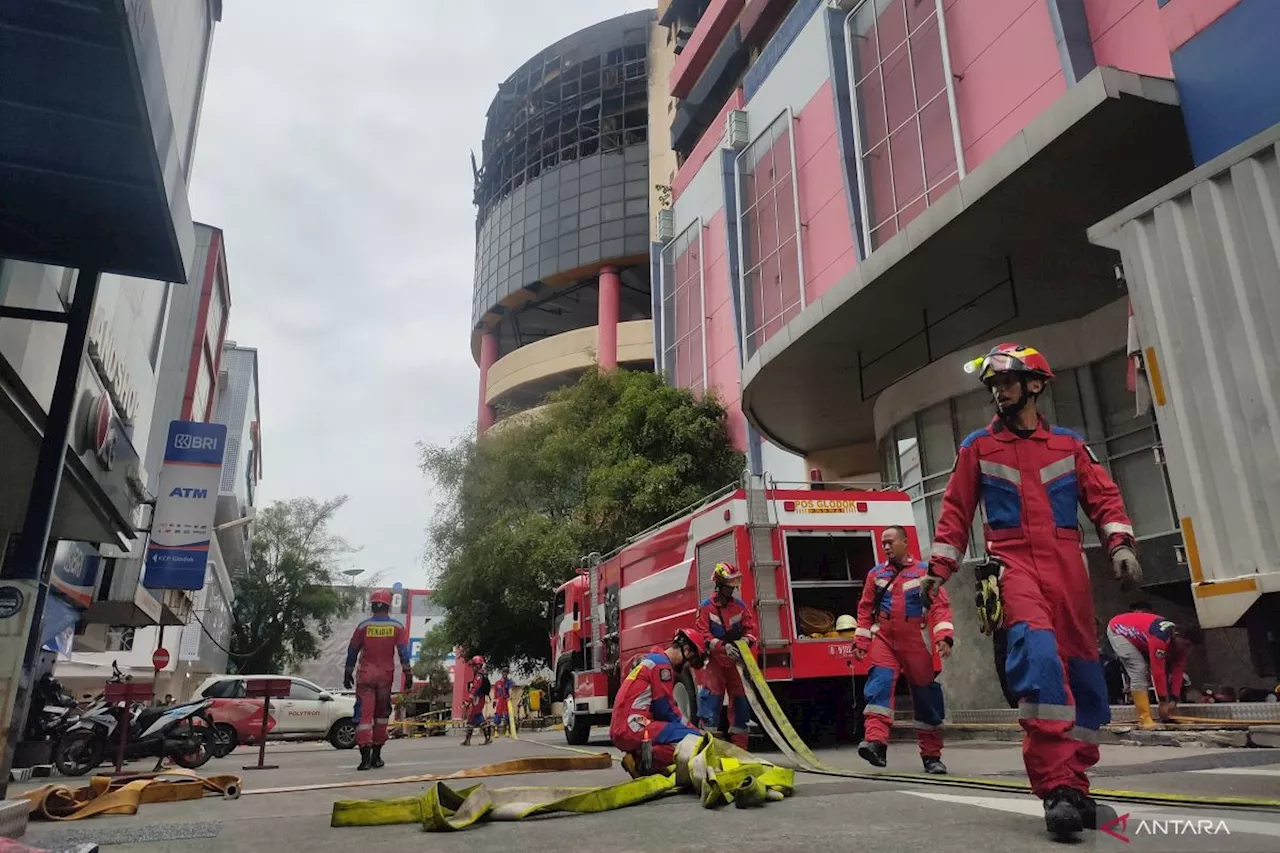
{"points": [[827, 814]]}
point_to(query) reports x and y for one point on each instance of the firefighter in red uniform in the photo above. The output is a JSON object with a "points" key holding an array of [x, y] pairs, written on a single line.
{"points": [[1138, 637], [902, 635], [377, 642], [724, 618], [501, 703], [647, 723], [1030, 477], [475, 703]]}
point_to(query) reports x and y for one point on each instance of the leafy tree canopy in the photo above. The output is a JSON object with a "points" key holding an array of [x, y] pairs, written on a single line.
{"points": [[607, 458], [286, 604]]}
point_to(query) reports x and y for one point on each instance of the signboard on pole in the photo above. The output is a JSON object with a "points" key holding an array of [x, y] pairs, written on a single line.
{"points": [[182, 526]]}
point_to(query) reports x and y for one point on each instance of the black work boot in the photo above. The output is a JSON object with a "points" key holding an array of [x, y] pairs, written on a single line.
{"points": [[466, 741], [933, 764], [874, 752], [377, 761], [1094, 814], [365, 753], [1062, 815]]}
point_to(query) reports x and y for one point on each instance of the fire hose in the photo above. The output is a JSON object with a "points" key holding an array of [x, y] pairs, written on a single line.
{"points": [[718, 773], [768, 713]]}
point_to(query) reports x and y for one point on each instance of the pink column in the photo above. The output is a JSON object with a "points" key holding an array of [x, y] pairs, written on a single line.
{"points": [[488, 355], [607, 324]]}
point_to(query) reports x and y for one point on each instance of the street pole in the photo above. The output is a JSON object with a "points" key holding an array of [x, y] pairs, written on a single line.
{"points": [[25, 583]]}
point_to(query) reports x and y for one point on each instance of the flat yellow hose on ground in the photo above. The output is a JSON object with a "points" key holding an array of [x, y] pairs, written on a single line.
{"points": [[122, 795], [717, 772]]}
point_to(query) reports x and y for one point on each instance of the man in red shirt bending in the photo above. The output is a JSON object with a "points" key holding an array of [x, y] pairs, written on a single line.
{"points": [[1140, 636]]}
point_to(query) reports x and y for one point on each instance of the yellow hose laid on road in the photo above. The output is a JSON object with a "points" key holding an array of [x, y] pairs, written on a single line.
{"points": [[769, 714], [514, 767], [122, 795], [718, 773]]}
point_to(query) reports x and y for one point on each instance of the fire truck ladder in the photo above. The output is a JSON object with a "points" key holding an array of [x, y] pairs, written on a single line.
{"points": [[762, 528]]}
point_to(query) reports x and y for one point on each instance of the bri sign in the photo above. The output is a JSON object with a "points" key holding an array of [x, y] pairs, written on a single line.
{"points": [[182, 526]]}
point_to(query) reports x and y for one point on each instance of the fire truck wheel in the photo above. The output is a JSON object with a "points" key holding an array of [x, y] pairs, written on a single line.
{"points": [[577, 730], [687, 696]]}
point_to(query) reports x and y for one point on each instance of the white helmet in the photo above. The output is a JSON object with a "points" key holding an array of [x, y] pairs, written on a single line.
{"points": [[846, 623]]}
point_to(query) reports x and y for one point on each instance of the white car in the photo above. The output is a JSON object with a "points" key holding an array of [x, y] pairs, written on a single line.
{"points": [[307, 713]]}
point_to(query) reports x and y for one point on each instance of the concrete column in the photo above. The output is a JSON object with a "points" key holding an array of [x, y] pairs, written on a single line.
{"points": [[488, 355], [607, 324]]}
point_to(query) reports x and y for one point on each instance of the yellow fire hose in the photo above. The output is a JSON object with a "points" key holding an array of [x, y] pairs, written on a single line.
{"points": [[122, 795], [776, 725], [717, 772]]}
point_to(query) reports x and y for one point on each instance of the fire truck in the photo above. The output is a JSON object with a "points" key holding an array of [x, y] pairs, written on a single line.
{"points": [[804, 553]]}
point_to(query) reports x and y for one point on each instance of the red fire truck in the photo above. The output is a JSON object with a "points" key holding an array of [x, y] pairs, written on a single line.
{"points": [[804, 554]]}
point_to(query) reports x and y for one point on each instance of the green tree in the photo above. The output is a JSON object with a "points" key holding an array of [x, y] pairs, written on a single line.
{"points": [[609, 456], [288, 600]]}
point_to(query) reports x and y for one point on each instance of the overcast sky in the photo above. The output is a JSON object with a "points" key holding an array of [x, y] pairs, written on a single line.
{"points": [[333, 152]]}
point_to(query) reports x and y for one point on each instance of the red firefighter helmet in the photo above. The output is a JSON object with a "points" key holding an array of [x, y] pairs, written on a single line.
{"points": [[726, 574], [1010, 358], [477, 661], [694, 646], [380, 596]]}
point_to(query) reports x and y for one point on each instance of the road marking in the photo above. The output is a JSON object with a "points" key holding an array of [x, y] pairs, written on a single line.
{"points": [[1033, 808], [1243, 771]]}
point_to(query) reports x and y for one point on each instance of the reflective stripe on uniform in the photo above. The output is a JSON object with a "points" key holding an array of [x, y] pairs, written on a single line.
{"points": [[926, 726], [911, 584], [1116, 527], [862, 632], [947, 552], [381, 721], [944, 626], [1086, 735], [643, 699], [878, 709], [1004, 472], [364, 727], [733, 730], [1054, 470], [1037, 711]]}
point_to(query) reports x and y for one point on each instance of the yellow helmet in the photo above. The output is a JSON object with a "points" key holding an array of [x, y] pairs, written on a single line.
{"points": [[725, 574], [846, 623]]}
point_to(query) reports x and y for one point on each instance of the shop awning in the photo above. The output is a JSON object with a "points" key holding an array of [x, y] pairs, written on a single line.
{"points": [[1005, 250], [90, 172]]}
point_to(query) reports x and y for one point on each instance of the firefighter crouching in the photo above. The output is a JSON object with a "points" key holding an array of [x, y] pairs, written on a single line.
{"points": [[376, 642], [724, 618], [1140, 636], [647, 724], [1030, 477], [476, 699], [905, 635]]}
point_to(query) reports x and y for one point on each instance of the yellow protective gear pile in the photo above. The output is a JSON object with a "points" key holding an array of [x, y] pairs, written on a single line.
{"points": [[717, 772]]}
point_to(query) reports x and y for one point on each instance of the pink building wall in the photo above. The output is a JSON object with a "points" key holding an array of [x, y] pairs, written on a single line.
{"points": [[826, 235], [1127, 35], [723, 371], [1183, 19], [707, 145]]}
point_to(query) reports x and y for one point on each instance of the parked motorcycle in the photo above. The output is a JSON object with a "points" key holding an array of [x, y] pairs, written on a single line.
{"points": [[53, 710], [183, 733]]}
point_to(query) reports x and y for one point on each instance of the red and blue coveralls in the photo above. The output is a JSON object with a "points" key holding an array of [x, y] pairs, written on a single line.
{"points": [[377, 641], [1030, 489], [722, 624], [901, 635], [646, 704], [1151, 639], [480, 686], [501, 700]]}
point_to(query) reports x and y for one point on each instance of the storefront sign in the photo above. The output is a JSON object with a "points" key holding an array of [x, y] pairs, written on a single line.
{"points": [[106, 356], [182, 528], [75, 571], [11, 599]]}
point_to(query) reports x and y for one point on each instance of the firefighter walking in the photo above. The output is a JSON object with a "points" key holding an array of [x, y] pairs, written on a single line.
{"points": [[477, 697], [1030, 477], [902, 636], [723, 618], [647, 724], [502, 703], [376, 643]]}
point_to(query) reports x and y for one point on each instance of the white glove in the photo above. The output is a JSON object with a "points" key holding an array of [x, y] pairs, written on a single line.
{"points": [[732, 650], [1124, 565]]}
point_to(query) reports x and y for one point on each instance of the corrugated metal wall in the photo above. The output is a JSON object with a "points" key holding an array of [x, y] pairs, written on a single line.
{"points": [[1202, 260]]}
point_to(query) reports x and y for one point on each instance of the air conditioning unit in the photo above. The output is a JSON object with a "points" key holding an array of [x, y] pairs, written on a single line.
{"points": [[736, 132], [666, 222]]}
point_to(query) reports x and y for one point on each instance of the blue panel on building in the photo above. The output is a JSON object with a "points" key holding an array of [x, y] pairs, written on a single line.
{"points": [[1228, 78], [778, 45]]}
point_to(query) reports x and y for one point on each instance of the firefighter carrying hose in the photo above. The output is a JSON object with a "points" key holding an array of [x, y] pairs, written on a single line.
{"points": [[1030, 477], [902, 635], [376, 642], [476, 699], [724, 618], [647, 724]]}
